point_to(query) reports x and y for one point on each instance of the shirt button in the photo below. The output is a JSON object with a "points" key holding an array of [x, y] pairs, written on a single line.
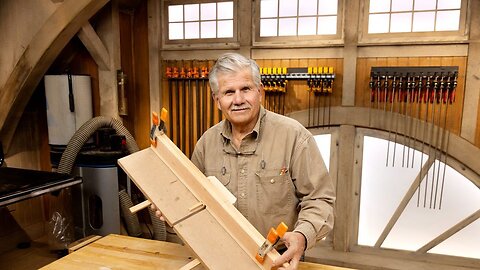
{"points": [[272, 181], [242, 171], [242, 195]]}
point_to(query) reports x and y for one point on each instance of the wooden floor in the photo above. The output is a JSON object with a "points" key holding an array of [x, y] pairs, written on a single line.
{"points": [[34, 257]]}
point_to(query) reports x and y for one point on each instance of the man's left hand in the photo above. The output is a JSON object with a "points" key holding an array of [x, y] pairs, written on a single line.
{"points": [[295, 242]]}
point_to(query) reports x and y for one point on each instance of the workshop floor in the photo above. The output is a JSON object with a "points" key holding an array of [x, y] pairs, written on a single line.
{"points": [[33, 257]]}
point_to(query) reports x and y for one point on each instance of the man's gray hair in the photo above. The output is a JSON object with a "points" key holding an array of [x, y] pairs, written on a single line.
{"points": [[230, 63]]}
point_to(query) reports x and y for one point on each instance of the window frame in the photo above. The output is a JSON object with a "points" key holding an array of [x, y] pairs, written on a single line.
{"points": [[455, 164], [198, 42], [459, 36], [297, 41]]}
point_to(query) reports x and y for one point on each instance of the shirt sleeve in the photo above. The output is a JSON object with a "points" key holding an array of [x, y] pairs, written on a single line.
{"points": [[315, 191], [198, 155]]}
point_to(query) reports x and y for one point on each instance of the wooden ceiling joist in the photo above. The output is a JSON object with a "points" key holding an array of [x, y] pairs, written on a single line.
{"points": [[218, 234], [95, 47], [40, 53]]}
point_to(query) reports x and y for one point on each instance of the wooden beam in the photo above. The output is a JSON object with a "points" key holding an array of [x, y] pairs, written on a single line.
{"points": [[40, 53], [220, 236], [95, 47], [453, 230], [404, 202], [342, 238]]}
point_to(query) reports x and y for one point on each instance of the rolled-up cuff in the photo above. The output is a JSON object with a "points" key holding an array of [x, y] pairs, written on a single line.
{"points": [[309, 232]]}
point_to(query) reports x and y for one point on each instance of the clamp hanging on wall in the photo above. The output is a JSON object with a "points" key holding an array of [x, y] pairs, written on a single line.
{"points": [[424, 93], [320, 87]]}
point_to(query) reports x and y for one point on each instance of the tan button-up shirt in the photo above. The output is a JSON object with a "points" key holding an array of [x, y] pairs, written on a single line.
{"points": [[277, 174]]}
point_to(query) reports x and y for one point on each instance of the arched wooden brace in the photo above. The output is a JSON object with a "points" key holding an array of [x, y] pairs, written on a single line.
{"points": [[45, 46]]}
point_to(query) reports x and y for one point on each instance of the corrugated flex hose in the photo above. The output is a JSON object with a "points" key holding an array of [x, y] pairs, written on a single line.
{"points": [[84, 133], [159, 228], [131, 220], [76, 143]]}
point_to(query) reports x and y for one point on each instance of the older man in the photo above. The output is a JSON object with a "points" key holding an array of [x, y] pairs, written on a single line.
{"points": [[270, 162]]}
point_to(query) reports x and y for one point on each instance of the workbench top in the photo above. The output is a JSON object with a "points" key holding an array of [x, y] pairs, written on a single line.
{"points": [[125, 252]]}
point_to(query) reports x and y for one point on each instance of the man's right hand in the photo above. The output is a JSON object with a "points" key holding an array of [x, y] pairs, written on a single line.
{"points": [[158, 213]]}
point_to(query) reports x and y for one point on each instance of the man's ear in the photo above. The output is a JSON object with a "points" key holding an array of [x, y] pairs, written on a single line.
{"points": [[262, 93], [216, 100]]}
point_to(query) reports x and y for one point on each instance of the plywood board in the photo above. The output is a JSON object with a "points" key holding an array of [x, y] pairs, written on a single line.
{"points": [[159, 184], [214, 229]]}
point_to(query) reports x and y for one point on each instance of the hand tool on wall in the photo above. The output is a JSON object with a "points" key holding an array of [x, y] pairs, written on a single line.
{"points": [[433, 143], [399, 101], [371, 86], [198, 99], [272, 239], [405, 120], [183, 126], [168, 75], [392, 105], [438, 148], [449, 99]]}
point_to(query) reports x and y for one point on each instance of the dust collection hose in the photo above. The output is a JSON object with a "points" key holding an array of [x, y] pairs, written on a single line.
{"points": [[76, 143], [84, 133], [131, 220]]}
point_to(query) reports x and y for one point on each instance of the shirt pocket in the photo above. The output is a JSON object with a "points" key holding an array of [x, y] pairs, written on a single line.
{"points": [[223, 177], [274, 191]]}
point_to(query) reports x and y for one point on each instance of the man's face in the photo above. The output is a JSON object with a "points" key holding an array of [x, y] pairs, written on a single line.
{"points": [[239, 99]]}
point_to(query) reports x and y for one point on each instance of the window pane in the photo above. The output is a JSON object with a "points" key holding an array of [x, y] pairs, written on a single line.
{"points": [[448, 20], [460, 199], [191, 30], [423, 21], [463, 244], [225, 29], [323, 142], [307, 26], [175, 31], [208, 11], [449, 4], [307, 7], [425, 5], [288, 8], [378, 23], [327, 25], [402, 5], [401, 22], [209, 29], [382, 187], [175, 13], [268, 27], [225, 10], [287, 27], [328, 7], [191, 12], [379, 6], [268, 8]]}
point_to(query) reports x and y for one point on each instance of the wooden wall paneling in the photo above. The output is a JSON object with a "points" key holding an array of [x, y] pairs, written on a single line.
{"points": [[141, 71], [342, 239], [125, 20], [477, 136]]}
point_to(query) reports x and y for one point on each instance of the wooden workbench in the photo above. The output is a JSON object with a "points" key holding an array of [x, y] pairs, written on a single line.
{"points": [[125, 252]]}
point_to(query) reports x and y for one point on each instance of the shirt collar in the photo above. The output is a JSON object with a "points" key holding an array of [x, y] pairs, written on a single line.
{"points": [[248, 148]]}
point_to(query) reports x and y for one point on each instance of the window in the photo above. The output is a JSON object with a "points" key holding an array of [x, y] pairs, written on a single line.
{"points": [[446, 199], [200, 21], [283, 18], [323, 142], [409, 16]]}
